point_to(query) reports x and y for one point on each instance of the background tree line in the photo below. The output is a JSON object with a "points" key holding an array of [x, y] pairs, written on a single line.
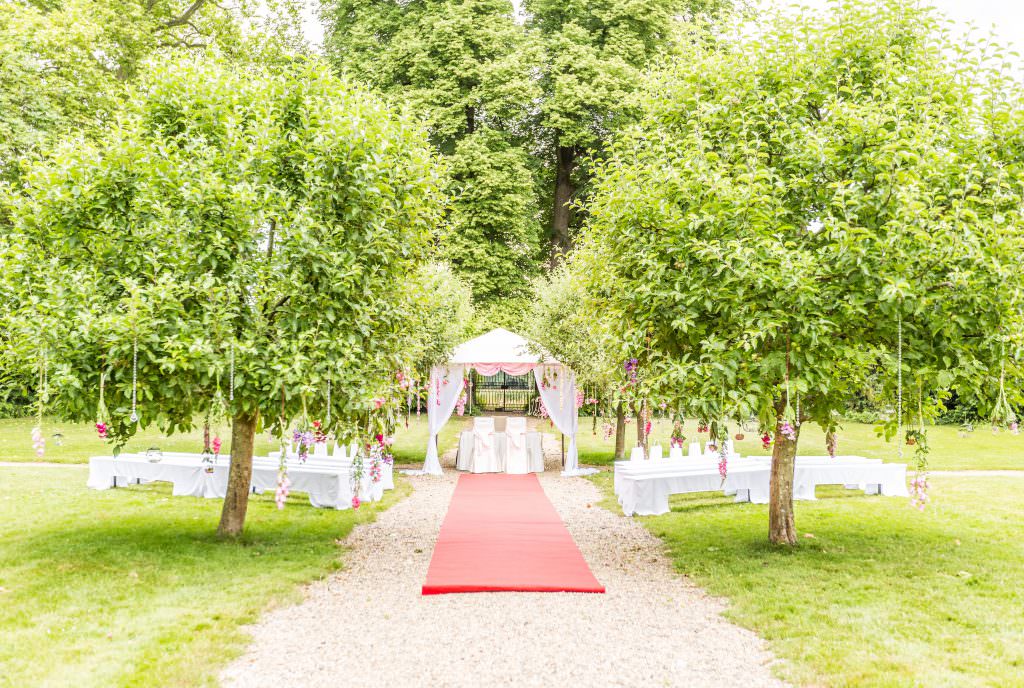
{"points": [[518, 97]]}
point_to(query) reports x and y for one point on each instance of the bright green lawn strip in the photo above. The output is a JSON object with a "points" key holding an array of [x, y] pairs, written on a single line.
{"points": [[129, 587], [882, 595], [980, 450]]}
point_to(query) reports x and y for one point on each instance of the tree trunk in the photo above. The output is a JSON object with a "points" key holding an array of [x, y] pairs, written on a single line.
{"points": [[620, 432], [236, 502], [206, 437], [564, 193], [781, 520]]}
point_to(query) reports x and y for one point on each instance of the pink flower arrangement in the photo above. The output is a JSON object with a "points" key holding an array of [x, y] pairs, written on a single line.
{"points": [[607, 430], [766, 441], [355, 501], [702, 427], [579, 399], [723, 463], [215, 443], [283, 484], [378, 402], [788, 431], [647, 427], [1015, 428], [101, 430], [919, 491], [38, 441]]}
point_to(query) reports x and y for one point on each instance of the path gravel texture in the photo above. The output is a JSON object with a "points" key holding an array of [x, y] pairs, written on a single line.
{"points": [[368, 625]]}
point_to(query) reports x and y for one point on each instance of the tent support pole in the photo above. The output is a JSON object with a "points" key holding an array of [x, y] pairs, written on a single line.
{"points": [[563, 451]]}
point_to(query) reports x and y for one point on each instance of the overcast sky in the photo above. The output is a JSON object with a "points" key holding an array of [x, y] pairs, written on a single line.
{"points": [[1007, 16]]}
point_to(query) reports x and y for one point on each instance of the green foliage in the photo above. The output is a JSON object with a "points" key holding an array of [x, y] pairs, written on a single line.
{"points": [[791, 195], [442, 315], [277, 213], [563, 327], [467, 68], [492, 236], [463, 64], [64, 64]]}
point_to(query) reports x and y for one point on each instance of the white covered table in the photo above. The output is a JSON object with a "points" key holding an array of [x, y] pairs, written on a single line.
{"points": [[644, 487], [326, 482], [534, 451]]}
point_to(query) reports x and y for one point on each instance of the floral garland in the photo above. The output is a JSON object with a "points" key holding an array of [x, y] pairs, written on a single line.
{"points": [[356, 477], [677, 438]]}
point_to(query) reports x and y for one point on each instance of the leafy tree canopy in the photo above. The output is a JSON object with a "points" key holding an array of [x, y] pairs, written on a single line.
{"points": [[800, 209], [269, 215], [64, 63]]}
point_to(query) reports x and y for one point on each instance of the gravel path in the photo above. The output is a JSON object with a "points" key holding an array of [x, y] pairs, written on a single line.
{"points": [[368, 625]]}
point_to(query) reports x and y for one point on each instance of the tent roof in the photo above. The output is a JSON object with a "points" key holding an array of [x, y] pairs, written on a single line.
{"points": [[498, 346]]}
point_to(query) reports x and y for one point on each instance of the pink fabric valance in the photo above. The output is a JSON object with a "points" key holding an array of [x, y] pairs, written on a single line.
{"points": [[488, 369]]}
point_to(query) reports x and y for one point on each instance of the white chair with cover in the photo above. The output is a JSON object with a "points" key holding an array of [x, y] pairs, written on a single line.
{"points": [[485, 458], [516, 461], [656, 453]]}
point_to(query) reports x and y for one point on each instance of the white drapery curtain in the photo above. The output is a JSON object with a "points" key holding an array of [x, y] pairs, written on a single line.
{"points": [[557, 387], [441, 400]]}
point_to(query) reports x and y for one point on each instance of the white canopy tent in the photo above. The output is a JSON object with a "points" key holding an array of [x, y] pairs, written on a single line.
{"points": [[502, 351]]}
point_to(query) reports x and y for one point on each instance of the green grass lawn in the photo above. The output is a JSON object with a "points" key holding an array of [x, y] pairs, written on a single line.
{"points": [[411, 443], [129, 587], [882, 595], [980, 449]]}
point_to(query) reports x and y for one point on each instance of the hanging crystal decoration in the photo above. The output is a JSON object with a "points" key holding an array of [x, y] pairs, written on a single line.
{"points": [[135, 379]]}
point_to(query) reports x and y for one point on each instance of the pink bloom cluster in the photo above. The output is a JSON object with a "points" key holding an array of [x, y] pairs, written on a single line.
{"points": [[319, 436], [647, 427], [355, 501], [607, 430], [723, 465], [631, 367], [101, 430], [283, 484], [460, 405], [375, 470], [579, 399], [788, 431], [766, 441], [38, 441], [919, 491], [1015, 428], [216, 445]]}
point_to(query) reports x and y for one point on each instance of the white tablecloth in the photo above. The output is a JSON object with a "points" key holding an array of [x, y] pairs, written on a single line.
{"points": [[534, 451], [643, 487], [327, 483]]}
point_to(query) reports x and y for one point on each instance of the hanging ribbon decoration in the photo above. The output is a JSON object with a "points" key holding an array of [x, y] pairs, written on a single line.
{"points": [[899, 383], [38, 439]]}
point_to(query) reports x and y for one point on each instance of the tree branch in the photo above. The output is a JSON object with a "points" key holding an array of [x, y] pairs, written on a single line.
{"points": [[184, 16]]}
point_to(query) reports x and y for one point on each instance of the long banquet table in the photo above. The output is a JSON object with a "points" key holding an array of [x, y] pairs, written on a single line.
{"points": [[643, 487], [327, 482]]}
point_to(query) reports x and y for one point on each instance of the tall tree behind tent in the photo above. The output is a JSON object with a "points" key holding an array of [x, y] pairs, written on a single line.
{"points": [[595, 54], [471, 70]]}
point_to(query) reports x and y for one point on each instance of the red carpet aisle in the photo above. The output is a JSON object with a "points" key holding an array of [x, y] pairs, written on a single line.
{"points": [[502, 534]]}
